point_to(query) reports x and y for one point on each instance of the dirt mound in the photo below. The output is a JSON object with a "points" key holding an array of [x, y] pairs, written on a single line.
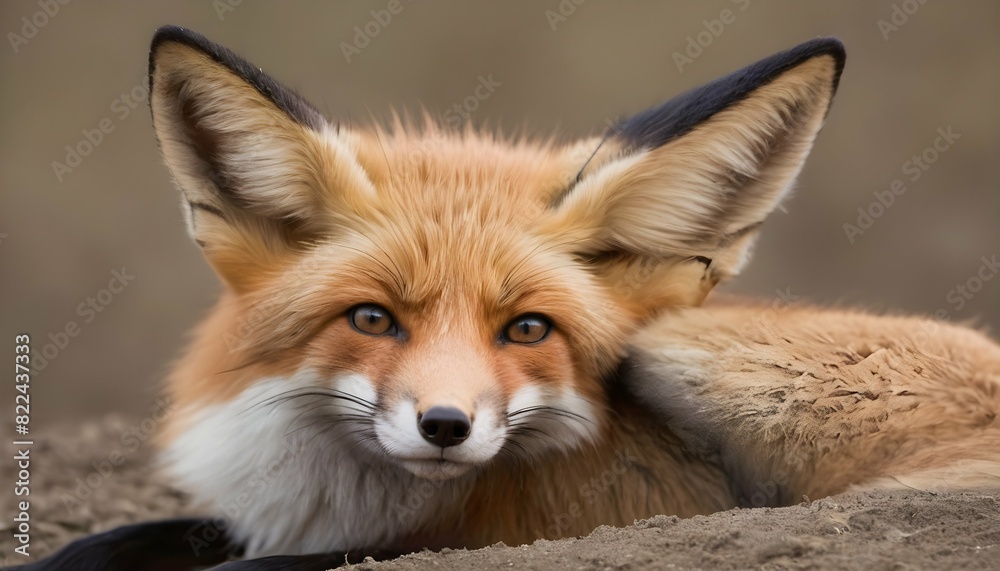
{"points": [[100, 475]]}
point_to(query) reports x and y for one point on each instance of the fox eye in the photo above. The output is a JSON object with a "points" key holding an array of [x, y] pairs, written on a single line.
{"points": [[527, 329], [372, 319]]}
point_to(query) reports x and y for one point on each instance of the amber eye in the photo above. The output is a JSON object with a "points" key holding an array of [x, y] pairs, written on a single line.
{"points": [[372, 320], [527, 329]]}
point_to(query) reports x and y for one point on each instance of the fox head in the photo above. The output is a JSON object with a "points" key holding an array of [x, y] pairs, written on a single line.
{"points": [[442, 298]]}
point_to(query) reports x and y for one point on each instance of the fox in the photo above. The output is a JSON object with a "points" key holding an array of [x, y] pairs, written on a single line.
{"points": [[442, 337]]}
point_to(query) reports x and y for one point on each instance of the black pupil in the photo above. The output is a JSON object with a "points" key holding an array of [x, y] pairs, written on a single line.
{"points": [[374, 316], [526, 326]]}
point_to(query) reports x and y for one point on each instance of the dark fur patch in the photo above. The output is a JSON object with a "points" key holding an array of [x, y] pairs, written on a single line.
{"points": [[207, 208], [662, 124], [707, 431], [168, 545], [284, 98]]}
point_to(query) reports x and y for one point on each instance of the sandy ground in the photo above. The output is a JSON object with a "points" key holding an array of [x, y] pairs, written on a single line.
{"points": [[871, 531]]}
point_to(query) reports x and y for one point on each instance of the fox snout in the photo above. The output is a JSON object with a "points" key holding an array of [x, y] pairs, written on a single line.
{"points": [[446, 439]]}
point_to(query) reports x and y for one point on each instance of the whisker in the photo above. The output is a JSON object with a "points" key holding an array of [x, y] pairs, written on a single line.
{"points": [[525, 410], [313, 391], [378, 138], [542, 410]]}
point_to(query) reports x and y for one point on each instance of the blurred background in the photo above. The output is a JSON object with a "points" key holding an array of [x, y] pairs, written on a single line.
{"points": [[74, 76]]}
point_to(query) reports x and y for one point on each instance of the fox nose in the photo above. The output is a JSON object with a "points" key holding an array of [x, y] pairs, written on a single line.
{"points": [[444, 426]]}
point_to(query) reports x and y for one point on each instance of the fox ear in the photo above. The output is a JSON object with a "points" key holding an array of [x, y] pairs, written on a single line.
{"points": [[262, 173], [676, 194]]}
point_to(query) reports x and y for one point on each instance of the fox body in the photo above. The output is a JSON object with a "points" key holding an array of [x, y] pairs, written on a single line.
{"points": [[438, 338]]}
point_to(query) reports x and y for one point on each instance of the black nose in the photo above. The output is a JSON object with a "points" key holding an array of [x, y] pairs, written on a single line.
{"points": [[444, 426]]}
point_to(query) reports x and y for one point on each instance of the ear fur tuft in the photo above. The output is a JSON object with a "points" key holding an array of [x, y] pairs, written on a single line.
{"points": [[694, 178], [261, 171]]}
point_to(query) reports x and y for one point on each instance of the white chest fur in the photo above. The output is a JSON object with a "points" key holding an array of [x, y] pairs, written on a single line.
{"points": [[289, 479]]}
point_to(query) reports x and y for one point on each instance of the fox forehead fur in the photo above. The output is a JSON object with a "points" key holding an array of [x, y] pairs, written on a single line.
{"points": [[312, 433]]}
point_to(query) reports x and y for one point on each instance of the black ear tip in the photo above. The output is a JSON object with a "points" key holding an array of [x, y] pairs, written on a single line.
{"points": [[657, 126], [166, 31], [830, 46], [171, 33]]}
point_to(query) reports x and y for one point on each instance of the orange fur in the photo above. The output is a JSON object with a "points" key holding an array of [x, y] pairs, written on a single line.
{"points": [[668, 406]]}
